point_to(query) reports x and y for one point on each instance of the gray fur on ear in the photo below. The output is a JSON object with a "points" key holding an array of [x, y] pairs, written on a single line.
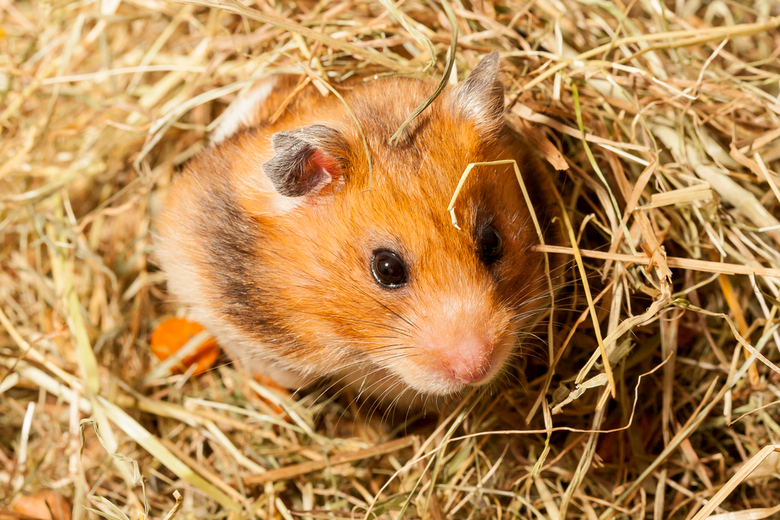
{"points": [[480, 98], [304, 160]]}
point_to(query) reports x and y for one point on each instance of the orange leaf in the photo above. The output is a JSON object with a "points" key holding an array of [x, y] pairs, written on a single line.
{"points": [[172, 334], [270, 383], [42, 506]]}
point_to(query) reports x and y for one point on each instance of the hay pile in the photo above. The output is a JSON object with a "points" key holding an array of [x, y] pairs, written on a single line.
{"points": [[664, 123]]}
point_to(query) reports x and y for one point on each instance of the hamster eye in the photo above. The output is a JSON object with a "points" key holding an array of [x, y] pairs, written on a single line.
{"points": [[388, 269], [489, 245]]}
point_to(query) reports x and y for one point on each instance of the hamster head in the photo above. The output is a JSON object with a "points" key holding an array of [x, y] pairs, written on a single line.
{"points": [[289, 252]]}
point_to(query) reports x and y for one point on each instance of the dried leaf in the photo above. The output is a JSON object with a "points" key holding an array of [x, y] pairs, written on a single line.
{"points": [[43, 506], [172, 334]]}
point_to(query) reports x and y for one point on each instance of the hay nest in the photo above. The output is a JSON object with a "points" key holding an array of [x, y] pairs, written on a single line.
{"points": [[657, 391]]}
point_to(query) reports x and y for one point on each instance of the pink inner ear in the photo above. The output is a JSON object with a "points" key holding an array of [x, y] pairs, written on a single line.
{"points": [[325, 163]]}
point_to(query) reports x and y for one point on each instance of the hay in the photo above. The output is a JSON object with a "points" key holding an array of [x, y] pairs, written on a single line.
{"points": [[657, 393]]}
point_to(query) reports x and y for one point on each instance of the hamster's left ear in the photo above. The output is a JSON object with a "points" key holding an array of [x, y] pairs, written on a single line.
{"points": [[305, 160], [480, 98]]}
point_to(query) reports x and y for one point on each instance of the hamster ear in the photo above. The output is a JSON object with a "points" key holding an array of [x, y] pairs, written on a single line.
{"points": [[305, 160], [480, 98]]}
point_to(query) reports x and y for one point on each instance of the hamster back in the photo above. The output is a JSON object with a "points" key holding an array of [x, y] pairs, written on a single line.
{"points": [[304, 261]]}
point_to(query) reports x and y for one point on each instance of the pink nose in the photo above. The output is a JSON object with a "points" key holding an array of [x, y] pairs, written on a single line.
{"points": [[469, 360]]}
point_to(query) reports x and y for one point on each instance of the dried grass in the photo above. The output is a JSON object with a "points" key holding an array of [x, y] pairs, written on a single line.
{"points": [[657, 394]]}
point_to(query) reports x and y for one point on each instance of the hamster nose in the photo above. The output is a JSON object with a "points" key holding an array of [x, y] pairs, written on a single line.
{"points": [[470, 360]]}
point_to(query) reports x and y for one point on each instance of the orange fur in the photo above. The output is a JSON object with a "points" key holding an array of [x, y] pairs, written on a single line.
{"points": [[284, 282]]}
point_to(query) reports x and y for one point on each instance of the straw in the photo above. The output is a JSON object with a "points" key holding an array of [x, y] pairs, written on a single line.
{"points": [[647, 386]]}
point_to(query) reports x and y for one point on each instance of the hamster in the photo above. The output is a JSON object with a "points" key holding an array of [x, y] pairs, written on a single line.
{"points": [[303, 267]]}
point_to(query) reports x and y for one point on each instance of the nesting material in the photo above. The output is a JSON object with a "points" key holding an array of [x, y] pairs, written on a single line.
{"points": [[652, 391]]}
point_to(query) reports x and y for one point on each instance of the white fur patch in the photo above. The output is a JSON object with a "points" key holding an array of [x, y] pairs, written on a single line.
{"points": [[241, 113]]}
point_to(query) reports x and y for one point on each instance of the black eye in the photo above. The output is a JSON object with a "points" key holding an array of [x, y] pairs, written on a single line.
{"points": [[388, 269], [489, 245]]}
